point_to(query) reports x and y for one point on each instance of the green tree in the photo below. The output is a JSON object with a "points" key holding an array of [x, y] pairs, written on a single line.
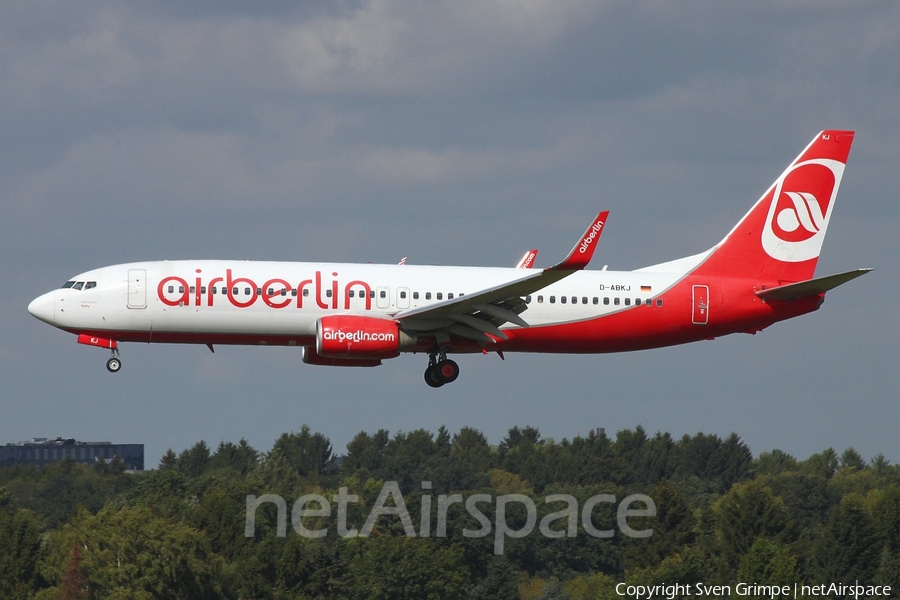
{"points": [[309, 453], [169, 460], [131, 552], [673, 528], [238, 458], [848, 547], [768, 562], [397, 568], [748, 511], [20, 540], [194, 461]]}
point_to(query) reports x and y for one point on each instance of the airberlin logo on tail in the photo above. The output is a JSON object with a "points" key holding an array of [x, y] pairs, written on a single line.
{"points": [[590, 237], [799, 210]]}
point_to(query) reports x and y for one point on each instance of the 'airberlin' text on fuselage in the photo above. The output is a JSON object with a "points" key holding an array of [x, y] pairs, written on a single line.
{"points": [[242, 292]]}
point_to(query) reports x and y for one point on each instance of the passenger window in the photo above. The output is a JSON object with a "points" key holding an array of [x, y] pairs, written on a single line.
{"points": [[606, 300], [540, 299], [371, 293], [574, 299], [234, 292], [202, 289], [528, 299], [616, 301], [659, 301], [180, 289], [552, 299], [637, 301], [246, 291], [403, 295], [428, 295], [213, 289], [450, 296], [439, 295], [328, 294], [192, 288], [284, 291], [351, 293], [596, 300], [305, 292], [171, 289], [259, 291], [90, 285], [294, 293], [382, 294], [627, 301], [649, 302], [562, 299], [415, 295], [584, 299], [270, 291]]}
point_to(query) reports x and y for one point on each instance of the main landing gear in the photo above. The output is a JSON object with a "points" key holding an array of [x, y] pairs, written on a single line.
{"points": [[440, 370]]}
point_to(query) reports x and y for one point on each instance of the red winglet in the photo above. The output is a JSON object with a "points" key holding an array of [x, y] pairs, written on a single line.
{"points": [[583, 251], [528, 260]]}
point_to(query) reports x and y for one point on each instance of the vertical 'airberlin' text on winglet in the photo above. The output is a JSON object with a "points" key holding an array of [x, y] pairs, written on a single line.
{"points": [[583, 251]]}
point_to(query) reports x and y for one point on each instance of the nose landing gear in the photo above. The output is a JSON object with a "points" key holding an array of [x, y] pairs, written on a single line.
{"points": [[441, 370], [114, 364]]}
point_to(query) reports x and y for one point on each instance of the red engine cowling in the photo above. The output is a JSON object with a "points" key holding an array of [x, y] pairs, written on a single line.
{"points": [[358, 337], [311, 357]]}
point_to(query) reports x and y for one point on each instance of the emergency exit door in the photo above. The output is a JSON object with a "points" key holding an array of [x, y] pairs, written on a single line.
{"points": [[701, 305]]}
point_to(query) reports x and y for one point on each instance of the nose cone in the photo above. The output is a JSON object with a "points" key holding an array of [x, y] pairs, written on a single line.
{"points": [[44, 307]]}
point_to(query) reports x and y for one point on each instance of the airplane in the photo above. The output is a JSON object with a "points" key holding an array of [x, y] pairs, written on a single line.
{"points": [[358, 315]]}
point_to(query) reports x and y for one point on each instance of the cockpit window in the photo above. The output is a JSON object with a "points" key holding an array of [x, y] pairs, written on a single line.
{"points": [[78, 285], [90, 285], [68, 284]]}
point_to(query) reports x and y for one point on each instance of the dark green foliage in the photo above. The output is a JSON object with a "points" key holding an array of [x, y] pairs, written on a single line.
{"points": [[20, 537], [848, 547], [179, 531]]}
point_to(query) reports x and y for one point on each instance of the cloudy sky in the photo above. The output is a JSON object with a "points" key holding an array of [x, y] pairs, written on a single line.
{"points": [[461, 132]]}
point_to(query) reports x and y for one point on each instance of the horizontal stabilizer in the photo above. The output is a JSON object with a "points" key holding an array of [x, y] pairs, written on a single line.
{"points": [[812, 287]]}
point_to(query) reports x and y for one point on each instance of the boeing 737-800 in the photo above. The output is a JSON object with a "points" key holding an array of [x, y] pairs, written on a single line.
{"points": [[357, 315]]}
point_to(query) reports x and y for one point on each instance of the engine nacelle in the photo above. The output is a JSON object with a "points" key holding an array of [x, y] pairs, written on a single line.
{"points": [[357, 337], [311, 357]]}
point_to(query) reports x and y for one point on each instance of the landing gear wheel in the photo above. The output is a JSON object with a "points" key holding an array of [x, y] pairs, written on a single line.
{"points": [[113, 365], [447, 370], [431, 377]]}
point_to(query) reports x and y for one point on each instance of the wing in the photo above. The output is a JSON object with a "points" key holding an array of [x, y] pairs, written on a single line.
{"points": [[479, 315]]}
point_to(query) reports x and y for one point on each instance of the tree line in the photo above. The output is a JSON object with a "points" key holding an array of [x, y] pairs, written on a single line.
{"points": [[178, 531]]}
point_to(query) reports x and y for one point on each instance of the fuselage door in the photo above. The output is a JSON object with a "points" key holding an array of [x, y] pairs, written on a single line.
{"points": [[382, 297], [137, 288], [700, 305], [403, 297]]}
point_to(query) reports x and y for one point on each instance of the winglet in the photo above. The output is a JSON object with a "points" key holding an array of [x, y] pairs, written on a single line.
{"points": [[528, 260], [581, 254]]}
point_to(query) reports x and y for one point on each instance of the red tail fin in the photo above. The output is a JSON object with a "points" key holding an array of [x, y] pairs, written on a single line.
{"points": [[779, 240]]}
